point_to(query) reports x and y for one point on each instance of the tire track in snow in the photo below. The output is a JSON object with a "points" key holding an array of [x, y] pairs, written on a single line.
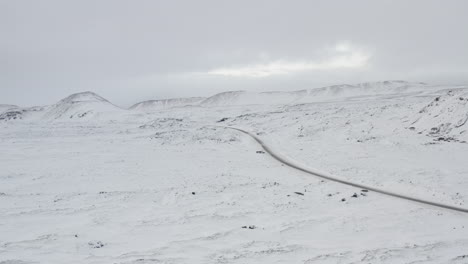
{"points": [[294, 164]]}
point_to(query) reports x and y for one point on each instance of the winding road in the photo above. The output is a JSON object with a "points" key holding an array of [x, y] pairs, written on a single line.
{"points": [[294, 164]]}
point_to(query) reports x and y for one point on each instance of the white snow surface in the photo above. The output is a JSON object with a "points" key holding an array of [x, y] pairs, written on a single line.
{"points": [[169, 186]]}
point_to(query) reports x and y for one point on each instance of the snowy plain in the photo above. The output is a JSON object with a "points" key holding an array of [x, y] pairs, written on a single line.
{"points": [[85, 181]]}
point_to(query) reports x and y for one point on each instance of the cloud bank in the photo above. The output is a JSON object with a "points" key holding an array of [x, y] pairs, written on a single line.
{"points": [[346, 57], [129, 51]]}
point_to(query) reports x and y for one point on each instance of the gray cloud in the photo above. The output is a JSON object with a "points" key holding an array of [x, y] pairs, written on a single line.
{"points": [[134, 50]]}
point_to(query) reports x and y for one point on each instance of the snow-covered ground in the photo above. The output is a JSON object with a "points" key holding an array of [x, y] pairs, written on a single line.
{"points": [[84, 181]]}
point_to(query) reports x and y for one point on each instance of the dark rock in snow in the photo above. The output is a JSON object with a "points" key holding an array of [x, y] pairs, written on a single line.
{"points": [[461, 257], [222, 119], [11, 115], [298, 193], [260, 152], [96, 244]]}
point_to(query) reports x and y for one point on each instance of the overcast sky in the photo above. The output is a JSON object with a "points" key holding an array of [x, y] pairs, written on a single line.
{"points": [[128, 51]]}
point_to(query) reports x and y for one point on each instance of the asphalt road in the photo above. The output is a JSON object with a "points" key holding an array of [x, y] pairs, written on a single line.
{"points": [[293, 164]]}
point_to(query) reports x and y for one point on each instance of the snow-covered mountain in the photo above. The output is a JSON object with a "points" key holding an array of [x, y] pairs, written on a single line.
{"points": [[88, 105], [154, 105], [81, 105]]}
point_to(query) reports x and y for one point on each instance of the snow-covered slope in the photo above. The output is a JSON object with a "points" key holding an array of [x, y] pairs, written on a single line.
{"points": [[8, 112], [155, 105], [23, 113], [446, 116]]}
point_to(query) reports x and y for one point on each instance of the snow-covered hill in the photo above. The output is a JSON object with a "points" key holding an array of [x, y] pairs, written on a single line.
{"points": [[85, 105], [81, 105]]}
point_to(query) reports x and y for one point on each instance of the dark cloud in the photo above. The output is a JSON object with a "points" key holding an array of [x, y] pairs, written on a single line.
{"points": [[133, 50]]}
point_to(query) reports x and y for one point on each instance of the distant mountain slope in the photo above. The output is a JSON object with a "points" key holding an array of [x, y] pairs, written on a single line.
{"points": [[88, 105], [361, 90], [369, 88], [154, 105], [314, 94], [7, 107], [249, 98]]}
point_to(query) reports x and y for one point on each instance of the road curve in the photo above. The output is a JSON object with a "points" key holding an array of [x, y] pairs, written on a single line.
{"points": [[293, 164]]}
